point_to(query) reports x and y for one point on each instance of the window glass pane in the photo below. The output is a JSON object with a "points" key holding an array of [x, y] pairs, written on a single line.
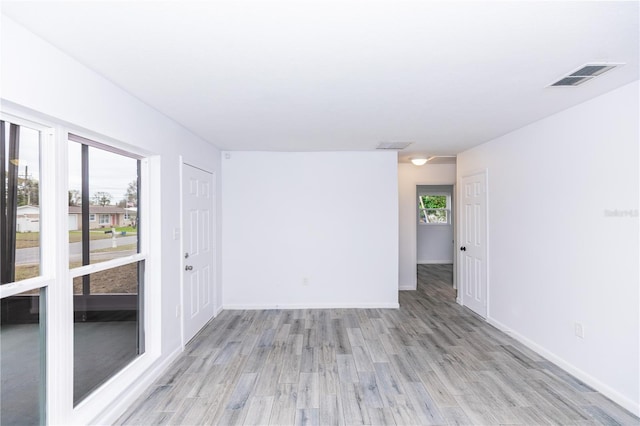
{"points": [[22, 359], [109, 188], [20, 203], [107, 325], [433, 201], [113, 189], [436, 216]]}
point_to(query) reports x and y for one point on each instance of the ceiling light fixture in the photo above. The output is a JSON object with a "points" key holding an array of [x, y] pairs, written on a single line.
{"points": [[419, 161]]}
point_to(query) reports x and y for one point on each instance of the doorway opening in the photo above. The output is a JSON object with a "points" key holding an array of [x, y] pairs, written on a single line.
{"points": [[435, 239]]}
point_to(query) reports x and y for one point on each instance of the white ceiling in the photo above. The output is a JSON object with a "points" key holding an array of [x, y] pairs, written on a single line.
{"points": [[326, 75]]}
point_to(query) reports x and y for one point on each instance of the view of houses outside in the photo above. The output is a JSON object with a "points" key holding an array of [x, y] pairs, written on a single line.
{"points": [[112, 217]]}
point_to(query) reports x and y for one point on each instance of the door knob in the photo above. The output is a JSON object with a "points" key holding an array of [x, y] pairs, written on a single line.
{"points": [[188, 268], [463, 248]]}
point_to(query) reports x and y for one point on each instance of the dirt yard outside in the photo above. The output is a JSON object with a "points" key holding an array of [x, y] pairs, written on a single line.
{"points": [[123, 279]]}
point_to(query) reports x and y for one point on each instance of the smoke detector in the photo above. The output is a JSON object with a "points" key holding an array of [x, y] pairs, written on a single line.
{"points": [[584, 74]]}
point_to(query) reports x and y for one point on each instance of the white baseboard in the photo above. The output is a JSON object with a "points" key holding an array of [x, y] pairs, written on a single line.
{"points": [[217, 311], [110, 414], [606, 390], [435, 262], [243, 307], [407, 287]]}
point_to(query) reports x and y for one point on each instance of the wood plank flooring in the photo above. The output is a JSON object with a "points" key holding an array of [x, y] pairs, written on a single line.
{"points": [[429, 362]]}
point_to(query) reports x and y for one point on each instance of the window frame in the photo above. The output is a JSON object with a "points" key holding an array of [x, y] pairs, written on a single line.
{"points": [[139, 258], [447, 209], [55, 274], [95, 401], [46, 277]]}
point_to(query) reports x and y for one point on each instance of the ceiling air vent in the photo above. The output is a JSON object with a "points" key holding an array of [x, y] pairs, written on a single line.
{"points": [[584, 74], [393, 145]]}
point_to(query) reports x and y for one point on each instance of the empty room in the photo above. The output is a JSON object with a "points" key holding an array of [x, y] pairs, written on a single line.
{"points": [[319, 213]]}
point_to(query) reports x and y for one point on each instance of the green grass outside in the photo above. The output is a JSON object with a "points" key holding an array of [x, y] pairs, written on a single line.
{"points": [[32, 239], [127, 229]]}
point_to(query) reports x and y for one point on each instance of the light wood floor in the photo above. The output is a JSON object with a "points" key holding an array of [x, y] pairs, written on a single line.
{"points": [[429, 362]]}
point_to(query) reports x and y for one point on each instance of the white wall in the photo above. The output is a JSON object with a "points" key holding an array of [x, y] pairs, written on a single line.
{"points": [[555, 256], [410, 176], [41, 80], [329, 217], [435, 241]]}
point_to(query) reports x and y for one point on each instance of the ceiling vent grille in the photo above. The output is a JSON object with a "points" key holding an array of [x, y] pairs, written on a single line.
{"points": [[584, 74], [393, 145]]}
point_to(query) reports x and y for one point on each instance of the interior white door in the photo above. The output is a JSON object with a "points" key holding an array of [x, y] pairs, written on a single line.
{"points": [[473, 243], [198, 224], [454, 223]]}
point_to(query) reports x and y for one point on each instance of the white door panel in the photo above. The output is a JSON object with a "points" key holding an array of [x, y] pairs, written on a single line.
{"points": [[473, 244], [198, 216]]}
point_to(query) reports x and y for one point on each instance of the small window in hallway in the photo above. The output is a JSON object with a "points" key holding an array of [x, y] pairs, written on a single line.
{"points": [[433, 209]]}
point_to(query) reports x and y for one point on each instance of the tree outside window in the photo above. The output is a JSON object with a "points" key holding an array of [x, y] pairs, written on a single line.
{"points": [[433, 209]]}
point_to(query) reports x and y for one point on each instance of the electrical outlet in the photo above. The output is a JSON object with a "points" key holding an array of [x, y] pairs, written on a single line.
{"points": [[177, 311], [579, 330], [305, 281]]}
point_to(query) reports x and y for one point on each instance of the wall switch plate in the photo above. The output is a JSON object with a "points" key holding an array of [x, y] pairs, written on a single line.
{"points": [[305, 281], [579, 330], [176, 233]]}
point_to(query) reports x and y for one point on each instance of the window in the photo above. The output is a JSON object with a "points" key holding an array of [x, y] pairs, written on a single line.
{"points": [[105, 342], [22, 305], [108, 326], [104, 279], [19, 203], [22, 356], [101, 181], [434, 209]]}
